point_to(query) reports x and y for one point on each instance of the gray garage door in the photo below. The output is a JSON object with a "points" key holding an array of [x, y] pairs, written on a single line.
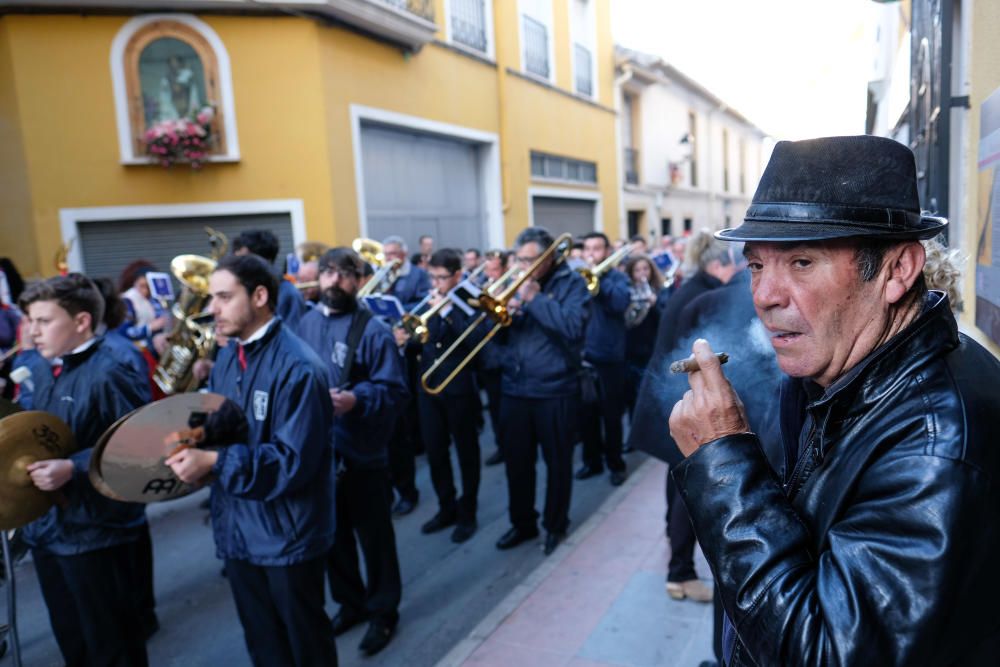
{"points": [[419, 184], [558, 215], [109, 246]]}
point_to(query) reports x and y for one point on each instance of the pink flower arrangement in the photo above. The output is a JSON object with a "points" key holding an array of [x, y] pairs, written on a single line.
{"points": [[183, 139]]}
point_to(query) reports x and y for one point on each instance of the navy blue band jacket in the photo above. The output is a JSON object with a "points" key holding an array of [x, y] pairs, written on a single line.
{"points": [[273, 495]]}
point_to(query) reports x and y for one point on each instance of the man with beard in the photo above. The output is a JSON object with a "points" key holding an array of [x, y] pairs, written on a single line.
{"points": [[876, 542], [272, 491], [367, 389]]}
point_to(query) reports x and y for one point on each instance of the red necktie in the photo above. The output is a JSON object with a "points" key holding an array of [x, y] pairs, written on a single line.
{"points": [[241, 355], [56, 371]]}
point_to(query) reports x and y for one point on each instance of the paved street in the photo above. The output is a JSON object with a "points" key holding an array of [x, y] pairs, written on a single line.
{"points": [[448, 589]]}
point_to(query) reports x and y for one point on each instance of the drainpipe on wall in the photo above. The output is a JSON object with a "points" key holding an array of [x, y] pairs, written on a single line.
{"points": [[620, 82], [502, 117]]}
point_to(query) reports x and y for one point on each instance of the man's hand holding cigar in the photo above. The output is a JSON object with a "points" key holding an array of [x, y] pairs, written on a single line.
{"points": [[710, 409]]}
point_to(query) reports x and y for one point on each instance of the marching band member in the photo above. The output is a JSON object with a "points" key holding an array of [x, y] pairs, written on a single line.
{"points": [[471, 261], [260, 242], [272, 495], [490, 359], [84, 551], [412, 285], [605, 351], [367, 388], [452, 415], [541, 390]]}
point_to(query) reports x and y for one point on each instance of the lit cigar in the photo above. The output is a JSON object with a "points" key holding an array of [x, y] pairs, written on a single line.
{"points": [[690, 365]]}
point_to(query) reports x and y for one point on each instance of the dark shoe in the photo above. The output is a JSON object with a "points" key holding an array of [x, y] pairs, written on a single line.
{"points": [[463, 532], [440, 521], [494, 458], [345, 620], [376, 638], [617, 477], [516, 536], [404, 506], [552, 540], [588, 471], [627, 448]]}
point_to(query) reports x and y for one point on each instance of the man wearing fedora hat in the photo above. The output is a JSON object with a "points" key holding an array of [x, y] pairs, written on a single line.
{"points": [[876, 541]]}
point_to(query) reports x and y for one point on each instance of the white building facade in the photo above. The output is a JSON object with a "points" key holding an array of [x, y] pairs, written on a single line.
{"points": [[689, 161]]}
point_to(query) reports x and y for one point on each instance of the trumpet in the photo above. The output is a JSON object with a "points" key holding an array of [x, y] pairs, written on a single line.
{"points": [[10, 353], [593, 276], [492, 303], [309, 284], [416, 325]]}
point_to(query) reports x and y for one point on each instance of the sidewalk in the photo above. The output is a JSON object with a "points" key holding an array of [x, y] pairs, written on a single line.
{"points": [[600, 598]]}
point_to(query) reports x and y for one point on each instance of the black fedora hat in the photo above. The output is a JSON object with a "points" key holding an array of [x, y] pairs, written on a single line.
{"points": [[837, 187]]}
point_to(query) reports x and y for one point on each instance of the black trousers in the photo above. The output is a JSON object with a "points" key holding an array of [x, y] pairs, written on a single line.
{"points": [[489, 380], [402, 456], [93, 609], [680, 532], [144, 576], [528, 424], [363, 509], [443, 419], [281, 610], [605, 443]]}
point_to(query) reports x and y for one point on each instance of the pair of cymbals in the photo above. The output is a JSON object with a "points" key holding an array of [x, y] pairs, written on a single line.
{"points": [[128, 461], [27, 437]]}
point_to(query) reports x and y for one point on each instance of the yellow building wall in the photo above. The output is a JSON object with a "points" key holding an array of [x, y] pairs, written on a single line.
{"points": [[985, 79], [294, 81], [65, 104], [436, 84], [17, 233]]}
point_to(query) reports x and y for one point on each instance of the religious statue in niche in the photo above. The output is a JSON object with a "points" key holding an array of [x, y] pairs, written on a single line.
{"points": [[172, 79]]}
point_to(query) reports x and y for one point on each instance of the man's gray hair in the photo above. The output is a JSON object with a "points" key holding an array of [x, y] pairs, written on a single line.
{"points": [[395, 240]]}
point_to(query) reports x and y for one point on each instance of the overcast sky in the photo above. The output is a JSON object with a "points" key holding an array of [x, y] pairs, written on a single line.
{"points": [[795, 68]]}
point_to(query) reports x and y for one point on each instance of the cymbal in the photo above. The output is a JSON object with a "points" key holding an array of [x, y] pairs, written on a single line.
{"points": [[26, 437], [128, 462], [94, 471]]}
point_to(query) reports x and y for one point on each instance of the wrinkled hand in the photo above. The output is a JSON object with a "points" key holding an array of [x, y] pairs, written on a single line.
{"points": [[711, 409], [192, 465], [343, 401], [159, 324], [50, 474]]}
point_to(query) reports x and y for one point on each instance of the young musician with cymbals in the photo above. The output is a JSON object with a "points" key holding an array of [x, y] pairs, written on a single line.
{"points": [[272, 495], [83, 548]]}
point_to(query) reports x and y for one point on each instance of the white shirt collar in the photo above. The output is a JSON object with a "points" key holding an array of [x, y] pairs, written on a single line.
{"points": [[259, 333], [58, 361]]}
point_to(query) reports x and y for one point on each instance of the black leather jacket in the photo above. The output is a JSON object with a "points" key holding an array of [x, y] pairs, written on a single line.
{"points": [[881, 544]]}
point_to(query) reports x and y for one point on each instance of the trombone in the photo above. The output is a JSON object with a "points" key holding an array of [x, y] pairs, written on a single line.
{"points": [[593, 275], [416, 325], [493, 304], [372, 252]]}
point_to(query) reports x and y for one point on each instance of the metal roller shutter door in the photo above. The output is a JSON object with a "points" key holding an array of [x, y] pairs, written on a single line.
{"points": [[417, 184], [109, 246], [559, 215]]}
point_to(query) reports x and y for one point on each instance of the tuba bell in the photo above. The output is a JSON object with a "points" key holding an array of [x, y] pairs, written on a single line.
{"points": [[386, 270], [193, 335]]}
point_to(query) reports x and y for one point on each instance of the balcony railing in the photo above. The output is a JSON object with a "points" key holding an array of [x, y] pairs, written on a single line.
{"points": [[536, 47], [468, 23], [584, 70], [631, 159]]}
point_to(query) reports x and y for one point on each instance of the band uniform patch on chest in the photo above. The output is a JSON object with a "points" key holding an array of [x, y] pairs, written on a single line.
{"points": [[260, 405], [339, 356]]}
